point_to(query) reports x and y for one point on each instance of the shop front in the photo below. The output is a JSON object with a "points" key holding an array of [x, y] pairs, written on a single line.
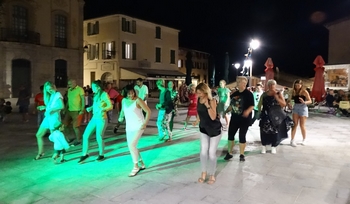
{"points": [[336, 77]]}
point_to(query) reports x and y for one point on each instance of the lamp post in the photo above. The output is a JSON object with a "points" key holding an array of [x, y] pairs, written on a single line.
{"points": [[237, 66], [248, 63]]}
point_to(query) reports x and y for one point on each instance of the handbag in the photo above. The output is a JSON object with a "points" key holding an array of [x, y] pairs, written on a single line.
{"points": [[276, 115]]}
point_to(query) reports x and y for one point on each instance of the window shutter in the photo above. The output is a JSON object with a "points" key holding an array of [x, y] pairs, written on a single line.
{"points": [[104, 51], [133, 26], [123, 24], [134, 51], [97, 51], [123, 50], [89, 52], [96, 27], [113, 49], [89, 29]]}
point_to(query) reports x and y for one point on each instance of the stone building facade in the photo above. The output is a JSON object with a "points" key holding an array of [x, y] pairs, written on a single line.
{"points": [[200, 68], [120, 49], [40, 41]]}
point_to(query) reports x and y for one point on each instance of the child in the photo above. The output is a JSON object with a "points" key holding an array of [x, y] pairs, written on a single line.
{"points": [[60, 142]]}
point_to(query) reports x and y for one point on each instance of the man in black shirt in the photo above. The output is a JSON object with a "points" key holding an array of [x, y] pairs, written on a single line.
{"points": [[241, 106]]}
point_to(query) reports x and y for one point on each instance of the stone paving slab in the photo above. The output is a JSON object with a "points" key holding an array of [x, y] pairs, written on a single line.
{"points": [[316, 173]]}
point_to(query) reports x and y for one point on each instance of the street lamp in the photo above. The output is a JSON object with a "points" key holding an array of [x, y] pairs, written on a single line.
{"points": [[248, 63]]}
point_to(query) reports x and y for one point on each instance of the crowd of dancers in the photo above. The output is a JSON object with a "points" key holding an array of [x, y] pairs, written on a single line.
{"points": [[243, 106]]}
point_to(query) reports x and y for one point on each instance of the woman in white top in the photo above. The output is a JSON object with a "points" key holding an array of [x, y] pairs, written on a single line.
{"points": [[53, 105], [136, 123], [101, 104]]}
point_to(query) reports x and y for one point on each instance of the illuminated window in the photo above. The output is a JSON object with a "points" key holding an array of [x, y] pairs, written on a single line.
{"points": [[128, 50]]}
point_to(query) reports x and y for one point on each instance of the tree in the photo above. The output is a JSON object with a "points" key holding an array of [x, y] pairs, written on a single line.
{"points": [[189, 66], [226, 67]]}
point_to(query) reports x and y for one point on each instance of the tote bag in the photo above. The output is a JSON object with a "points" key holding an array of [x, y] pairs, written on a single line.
{"points": [[276, 115]]}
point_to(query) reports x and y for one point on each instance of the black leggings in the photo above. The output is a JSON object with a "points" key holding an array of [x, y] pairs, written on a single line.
{"points": [[233, 128]]}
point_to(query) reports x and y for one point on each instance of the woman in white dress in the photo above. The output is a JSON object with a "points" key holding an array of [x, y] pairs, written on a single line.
{"points": [[132, 108], [53, 105]]}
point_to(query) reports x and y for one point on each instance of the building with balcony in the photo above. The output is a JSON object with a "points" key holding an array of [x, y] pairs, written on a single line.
{"points": [[200, 65], [337, 70], [120, 49], [40, 41]]}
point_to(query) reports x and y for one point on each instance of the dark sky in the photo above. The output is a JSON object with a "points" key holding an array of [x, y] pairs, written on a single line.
{"points": [[284, 27]]}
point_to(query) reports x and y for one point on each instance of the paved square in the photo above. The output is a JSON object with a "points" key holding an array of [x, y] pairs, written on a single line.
{"points": [[313, 174]]}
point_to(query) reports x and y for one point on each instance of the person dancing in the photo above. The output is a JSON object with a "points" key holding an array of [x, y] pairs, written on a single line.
{"points": [[53, 105], [192, 107], [132, 108], [224, 102], [300, 111], [100, 106], [210, 132]]}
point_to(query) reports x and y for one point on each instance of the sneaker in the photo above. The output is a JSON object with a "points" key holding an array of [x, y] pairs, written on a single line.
{"points": [[263, 150], [100, 158], [273, 150], [241, 158], [83, 158], [228, 156], [303, 143], [292, 143]]}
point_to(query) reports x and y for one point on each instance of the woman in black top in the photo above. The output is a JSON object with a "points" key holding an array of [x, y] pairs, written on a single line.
{"points": [[301, 99], [210, 128]]}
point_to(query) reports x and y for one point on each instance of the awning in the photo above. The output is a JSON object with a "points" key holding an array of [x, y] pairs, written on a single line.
{"points": [[133, 73]]}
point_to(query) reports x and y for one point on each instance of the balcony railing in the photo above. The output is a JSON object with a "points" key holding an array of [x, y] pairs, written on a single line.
{"points": [[12, 35]]}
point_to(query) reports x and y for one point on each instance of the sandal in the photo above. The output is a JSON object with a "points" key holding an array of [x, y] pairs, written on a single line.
{"points": [[39, 156], [203, 177], [211, 179], [134, 171]]}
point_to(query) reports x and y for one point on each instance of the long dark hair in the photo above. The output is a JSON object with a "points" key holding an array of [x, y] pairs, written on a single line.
{"points": [[127, 89], [99, 84]]}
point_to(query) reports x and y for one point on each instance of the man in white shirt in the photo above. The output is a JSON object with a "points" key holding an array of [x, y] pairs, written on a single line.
{"points": [[141, 90]]}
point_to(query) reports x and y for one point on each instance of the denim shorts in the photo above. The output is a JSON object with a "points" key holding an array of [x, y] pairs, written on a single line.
{"points": [[301, 109]]}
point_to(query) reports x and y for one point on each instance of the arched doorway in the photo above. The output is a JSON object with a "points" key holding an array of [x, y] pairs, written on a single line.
{"points": [[107, 77], [21, 75]]}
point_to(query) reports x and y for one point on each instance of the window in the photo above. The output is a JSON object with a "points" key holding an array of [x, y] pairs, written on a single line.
{"points": [[60, 31], [93, 52], [61, 73], [93, 28], [108, 50], [20, 20], [172, 56], [128, 26], [158, 56], [158, 32], [179, 63], [128, 50]]}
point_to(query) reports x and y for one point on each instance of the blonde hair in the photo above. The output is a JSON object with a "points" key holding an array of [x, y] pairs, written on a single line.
{"points": [[205, 89], [223, 81], [46, 94], [271, 82], [298, 81], [240, 78]]}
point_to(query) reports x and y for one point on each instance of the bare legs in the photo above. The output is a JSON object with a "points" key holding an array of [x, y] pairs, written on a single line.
{"points": [[298, 120], [39, 137]]}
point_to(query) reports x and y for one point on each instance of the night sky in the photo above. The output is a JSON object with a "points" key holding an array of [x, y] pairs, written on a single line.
{"points": [[291, 32]]}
